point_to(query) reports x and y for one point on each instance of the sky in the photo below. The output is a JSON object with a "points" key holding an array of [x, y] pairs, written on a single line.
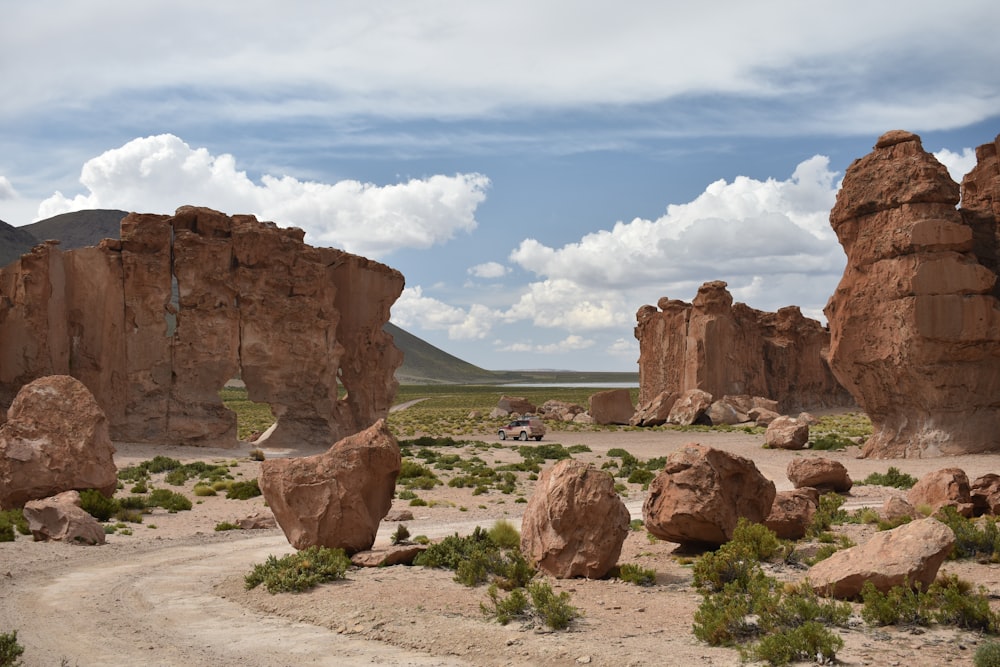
{"points": [[537, 171]]}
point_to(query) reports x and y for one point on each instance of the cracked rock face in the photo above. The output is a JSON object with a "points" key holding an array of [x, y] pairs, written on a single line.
{"points": [[915, 320], [154, 324]]}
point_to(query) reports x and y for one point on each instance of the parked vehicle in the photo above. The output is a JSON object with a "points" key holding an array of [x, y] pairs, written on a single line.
{"points": [[522, 429]]}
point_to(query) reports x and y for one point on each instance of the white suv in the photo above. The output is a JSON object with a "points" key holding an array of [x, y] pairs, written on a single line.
{"points": [[522, 429]]}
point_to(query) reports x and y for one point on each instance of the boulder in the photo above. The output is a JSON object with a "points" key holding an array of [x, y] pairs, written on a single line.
{"points": [[559, 410], [515, 404], [945, 487], [55, 439], [395, 515], [702, 492], [257, 521], [915, 320], [725, 349], [613, 406], [909, 555], [61, 518], [724, 411], [398, 554], [819, 473], [575, 523], [656, 411], [335, 499], [690, 407], [792, 512], [985, 493], [896, 508], [762, 416], [786, 433], [583, 418]]}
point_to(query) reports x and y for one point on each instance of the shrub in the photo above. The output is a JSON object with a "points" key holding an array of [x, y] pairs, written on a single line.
{"points": [[987, 655], [971, 540], [507, 609], [476, 558], [948, 601], [827, 514], [299, 571], [225, 525], [10, 650], [640, 476], [256, 454], [831, 442], [11, 520], [97, 505], [892, 477], [243, 490], [168, 500], [203, 490], [636, 524], [132, 503], [554, 610], [809, 641], [505, 535], [636, 574], [401, 534]]}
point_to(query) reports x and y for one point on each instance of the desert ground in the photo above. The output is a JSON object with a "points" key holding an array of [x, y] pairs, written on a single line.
{"points": [[172, 592]]}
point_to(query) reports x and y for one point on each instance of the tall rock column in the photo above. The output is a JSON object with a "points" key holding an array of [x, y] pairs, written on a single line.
{"points": [[914, 323]]}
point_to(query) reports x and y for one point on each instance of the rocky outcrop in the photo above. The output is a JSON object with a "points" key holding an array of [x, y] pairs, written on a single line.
{"points": [[656, 411], [948, 487], [55, 439], [335, 499], [702, 492], [824, 475], [60, 518], [563, 411], [613, 406], [724, 348], [915, 320], [575, 523], [906, 556], [690, 408], [154, 324]]}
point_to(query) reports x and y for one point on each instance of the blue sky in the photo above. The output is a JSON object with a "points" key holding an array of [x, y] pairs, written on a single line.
{"points": [[537, 170]]}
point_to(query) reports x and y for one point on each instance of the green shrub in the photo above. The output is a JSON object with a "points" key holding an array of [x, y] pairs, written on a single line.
{"points": [[947, 601], [892, 477], [418, 502], [10, 650], [827, 514], [11, 520], [97, 505], [987, 655], [476, 559], [132, 503], [168, 500], [640, 476], [831, 442], [554, 610], [243, 490], [505, 535], [203, 490], [636, 574], [808, 641], [226, 525], [299, 571], [971, 539], [506, 609], [256, 454], [401, 534], [636, 524]]}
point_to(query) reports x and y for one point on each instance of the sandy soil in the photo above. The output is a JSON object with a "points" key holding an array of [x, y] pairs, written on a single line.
{"points": [[172, 592]]}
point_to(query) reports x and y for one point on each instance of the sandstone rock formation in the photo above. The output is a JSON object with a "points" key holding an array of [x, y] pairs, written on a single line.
{"points": [[61, 518], [985, 492], [915, 320], [656, 411], [819, 473], [702, 492], [575, 523], [786, 433], [948, 487], [508, 405], [690, 408], [904, 556], [335, 499], [725, 348], [560, 410], [792, 512], [897, 508], [154, 324], [613, 406], [55, 439]]}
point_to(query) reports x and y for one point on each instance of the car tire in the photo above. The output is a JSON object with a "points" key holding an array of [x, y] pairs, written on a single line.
{"points": [[502, 434], [523, 437], [538, 438]]}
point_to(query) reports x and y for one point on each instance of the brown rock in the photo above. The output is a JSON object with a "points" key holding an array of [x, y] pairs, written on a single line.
{"points": [[786, 433], [896, 508], [731, 349], [792, 512], [398, 515], [915, 321], [702, 492], [762, 416], [690, 407], [574, 525], [559, 410], [724, 411], [156, 324], [257, 521], [819, 473], [515, 404], [335, 499], [906, 556], [61, 518], [946, 487], [398, 554], [656, 411], [985, 493], [55, 439], [613, 406]]}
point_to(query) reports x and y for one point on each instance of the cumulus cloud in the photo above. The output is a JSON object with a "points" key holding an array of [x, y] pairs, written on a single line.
{"points": [[160, 173], [571, 343], [958, 164], [413, 309], [489, 270], [7, 190]]}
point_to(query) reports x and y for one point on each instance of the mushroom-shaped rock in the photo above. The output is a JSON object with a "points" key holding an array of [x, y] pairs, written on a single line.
{"points": [[575, 523], [55, 439], [792, 512], [702, 492], [62, 519], [906, 556], [946, 487], [613, 406], [335, 499], [819, 473]]}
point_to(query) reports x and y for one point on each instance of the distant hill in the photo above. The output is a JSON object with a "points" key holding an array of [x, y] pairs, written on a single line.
{"points": [[422, 362]]}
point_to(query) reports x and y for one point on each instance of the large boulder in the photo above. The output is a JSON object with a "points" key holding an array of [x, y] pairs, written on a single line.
{"points": [[690, 407], [786, 433], [702, 492], [656, 411], [726, 411], [335, 499], [60, 518], [915, 320], [985, 493], [556, 410], [792, 513], [508, 405], [55, 439], [819, 473], [575, 523], [906, 556], [948, 487], [613, 406]]}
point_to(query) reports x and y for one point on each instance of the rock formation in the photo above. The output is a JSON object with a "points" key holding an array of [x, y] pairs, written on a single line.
{"points": [[154, 324], [575, 523], [702, 492], [725, 348], [948, 487], [915, 320], [792, 512], [613, 406], [786, 432], [60, 518], [819, 473], [335, 499], [55, 440]]}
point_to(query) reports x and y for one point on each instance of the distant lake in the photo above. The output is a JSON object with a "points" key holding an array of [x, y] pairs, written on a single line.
{"points": [[602, 385]]}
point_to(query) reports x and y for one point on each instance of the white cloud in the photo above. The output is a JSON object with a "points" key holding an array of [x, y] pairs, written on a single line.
{"points": [[160, 173], [7, 190], [489, 270], [413, 310], [624, 348], [571, 343], [958, 164]]}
